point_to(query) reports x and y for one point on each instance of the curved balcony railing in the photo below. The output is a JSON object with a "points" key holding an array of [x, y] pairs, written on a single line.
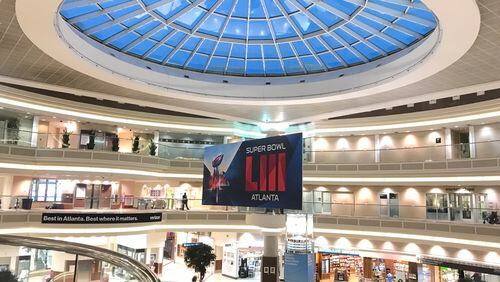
{"points": [[433, 213], [115, 264], [193, 150]]}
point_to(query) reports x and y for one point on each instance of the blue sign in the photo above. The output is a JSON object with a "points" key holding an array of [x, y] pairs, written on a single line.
{"points": [[264, 173], [299, 267]]}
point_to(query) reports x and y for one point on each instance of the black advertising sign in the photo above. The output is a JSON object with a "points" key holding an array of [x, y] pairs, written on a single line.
{"points": [[264, 173], [100, 218]]}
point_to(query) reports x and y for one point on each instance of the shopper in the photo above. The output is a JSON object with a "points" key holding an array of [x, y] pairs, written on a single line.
{"points": [[185, 201]]}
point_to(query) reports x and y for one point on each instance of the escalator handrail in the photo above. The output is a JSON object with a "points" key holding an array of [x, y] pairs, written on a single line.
{"points": [[137, 269]]}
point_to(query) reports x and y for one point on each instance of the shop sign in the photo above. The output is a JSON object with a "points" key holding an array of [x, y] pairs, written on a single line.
{"points": [[264, 173], [93, 218], [187, 245], [334, 251]]}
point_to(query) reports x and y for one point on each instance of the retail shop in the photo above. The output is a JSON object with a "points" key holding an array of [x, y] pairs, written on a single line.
{"points": [[241, 261]]}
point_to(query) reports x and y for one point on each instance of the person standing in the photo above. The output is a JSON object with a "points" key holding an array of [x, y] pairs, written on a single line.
{"points": [[185, 201]]}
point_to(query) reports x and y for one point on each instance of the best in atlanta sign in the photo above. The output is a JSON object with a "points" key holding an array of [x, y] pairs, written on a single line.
{"points": [[263, 173]]}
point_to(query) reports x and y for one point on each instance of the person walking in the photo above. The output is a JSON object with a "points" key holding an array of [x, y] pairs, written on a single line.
{"points": [[185, 201]]}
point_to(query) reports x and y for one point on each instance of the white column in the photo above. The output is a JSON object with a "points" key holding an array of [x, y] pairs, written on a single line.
{"points": [[6, 191], [472, 142], [34, 131], [447, 143], [377, 148]]}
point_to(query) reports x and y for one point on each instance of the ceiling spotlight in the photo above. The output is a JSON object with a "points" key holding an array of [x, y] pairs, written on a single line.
{"points": [[268, 83], [302, 81], [410, 105], [480, 93], [455, 98], [186, 76], [432, 102], [225, 81]]}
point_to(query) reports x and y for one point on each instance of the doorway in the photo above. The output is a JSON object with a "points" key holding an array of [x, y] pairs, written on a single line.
{"points": [[389, 204], [460, 143]]}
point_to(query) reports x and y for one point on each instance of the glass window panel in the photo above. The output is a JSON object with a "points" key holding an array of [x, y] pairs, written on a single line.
{"points": [[238, 51], [332, 42], [86, 24], [255, 67], [141, 48], [382, 44], [137, 19], [149, 2], [175, 39], [422, 29], [400, 36], [292, 66], [171, 8], [379, 14], [316, 45], [322, 14], [111, 3], [236, 28], [159, 35], [217, 64], [304, 23], [207, 46], [208, 4], [241, 9], [272, 9], [392, 6], [256, 10], [358, 30], [301, 48], [259, 29], [212, 25], [376, 25], [161, 53], [286, 50], [119, 13], [330, 61], [179, 58], [426, 15], [191, 18], [147, 27], [198, 62], [254, 52], [51, 191], [222, 49], [34, 189], [270, 51], [346, 36], [282, 28], [305, 3], [343, 6], [273, 67], [124, 40], [225, 7], [311, 64], [366, 51], [289, 7], [75, 12], [108, 32], [348, 56], [191, 43], [236, 66], [42, 190]]}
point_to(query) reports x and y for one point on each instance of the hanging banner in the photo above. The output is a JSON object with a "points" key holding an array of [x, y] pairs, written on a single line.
{"points": [[100, 218], [264, 173]]}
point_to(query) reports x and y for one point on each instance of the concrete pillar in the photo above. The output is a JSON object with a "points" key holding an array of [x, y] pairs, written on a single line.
{"points": [[270, 258], [377, 148], [472, 142], [6, 191], [447, 143], [34, 131]]}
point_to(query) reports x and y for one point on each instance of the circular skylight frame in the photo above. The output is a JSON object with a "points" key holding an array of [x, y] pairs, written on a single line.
{"points": [[310, 62]]}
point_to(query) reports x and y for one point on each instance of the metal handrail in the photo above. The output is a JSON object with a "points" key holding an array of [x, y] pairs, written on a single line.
{"points": [[137, 269]]}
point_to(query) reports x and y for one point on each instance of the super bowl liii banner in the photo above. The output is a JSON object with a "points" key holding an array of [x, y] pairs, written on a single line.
{"points": [[264, 173]]}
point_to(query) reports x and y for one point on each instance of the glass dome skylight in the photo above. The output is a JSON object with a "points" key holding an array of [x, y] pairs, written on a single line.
{"points": [[253, 37]]}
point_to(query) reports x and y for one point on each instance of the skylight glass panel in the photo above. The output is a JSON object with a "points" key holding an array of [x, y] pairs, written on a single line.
{"points": [[161, 53], [270, 51], [258, 29], [141, 48], [253, 37], [212, 25], [256, 10], [273, 68], [241, 9], [348, 56], [255, 67], [305, 24], [179, 58], [282, 28], [272, 9], [236, 66], [238, 51]]}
